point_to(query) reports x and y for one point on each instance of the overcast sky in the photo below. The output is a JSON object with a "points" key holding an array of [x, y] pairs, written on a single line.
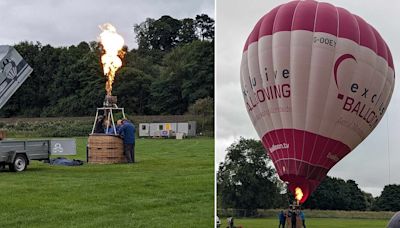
{"points": [[67, 22], [369, 163]]}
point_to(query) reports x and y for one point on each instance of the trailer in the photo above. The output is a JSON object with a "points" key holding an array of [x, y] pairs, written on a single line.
{"points": [[17, 154], [167, 129]]}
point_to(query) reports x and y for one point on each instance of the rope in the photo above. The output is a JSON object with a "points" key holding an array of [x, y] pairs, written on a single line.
{"points": [[388, 143]]}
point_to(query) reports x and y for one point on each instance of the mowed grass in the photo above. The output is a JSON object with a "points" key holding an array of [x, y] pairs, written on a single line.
{"points": [[310, 222], [171, 185]]}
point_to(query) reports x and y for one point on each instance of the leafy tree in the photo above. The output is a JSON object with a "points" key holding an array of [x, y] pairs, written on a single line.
{"points": [[161, 34], [142, 31], [188, 75], [148, 64], [369, 199], [205, 26], [166, 32], [246, 179], [132, 87], [170, 70], [337, 194], [166, 97], [192, 66], [203, 107], [356, 197], [389, 199], [187, 32]]}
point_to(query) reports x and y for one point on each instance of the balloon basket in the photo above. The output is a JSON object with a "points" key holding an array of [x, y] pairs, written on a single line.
{"points": [[105, 149]]}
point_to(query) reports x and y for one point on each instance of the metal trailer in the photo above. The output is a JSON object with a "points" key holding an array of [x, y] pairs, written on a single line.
{"points": [[17, 154], [167, 129]]}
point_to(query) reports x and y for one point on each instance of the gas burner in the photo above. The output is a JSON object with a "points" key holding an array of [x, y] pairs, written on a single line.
{"points": [[110, 101]]}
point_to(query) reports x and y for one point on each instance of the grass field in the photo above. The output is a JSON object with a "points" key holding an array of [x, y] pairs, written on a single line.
{"points": [[171, 185], [311, 222], [272, 213]]}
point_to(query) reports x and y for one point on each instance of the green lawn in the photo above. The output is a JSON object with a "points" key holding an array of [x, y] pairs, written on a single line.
{"points": [[311, 223], [171, 185]]}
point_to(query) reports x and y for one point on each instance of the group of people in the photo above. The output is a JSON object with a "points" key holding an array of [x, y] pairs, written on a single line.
{"points": [[125, 129], [291, 217]]}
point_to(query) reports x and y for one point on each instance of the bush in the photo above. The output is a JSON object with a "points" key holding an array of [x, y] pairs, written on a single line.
{"points": [[82, 126], [55, 128]]}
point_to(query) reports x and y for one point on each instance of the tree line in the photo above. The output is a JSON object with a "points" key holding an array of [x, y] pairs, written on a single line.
{"points": [[171, 70], [247, 180]]}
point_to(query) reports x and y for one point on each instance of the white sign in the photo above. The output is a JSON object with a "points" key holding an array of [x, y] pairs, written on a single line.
{"points": [[63, 146]]}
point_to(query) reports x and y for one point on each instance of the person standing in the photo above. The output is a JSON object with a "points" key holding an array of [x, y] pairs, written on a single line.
{"points": [[303, 220], [293, 218], [127, 132], [230, 222], [289, 218], [282, 219], [109, 129], [99, 125]]}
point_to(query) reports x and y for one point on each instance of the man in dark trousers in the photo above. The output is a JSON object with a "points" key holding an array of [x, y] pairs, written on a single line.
{"points": [[127, 132], [293, 218], [282, 219]]}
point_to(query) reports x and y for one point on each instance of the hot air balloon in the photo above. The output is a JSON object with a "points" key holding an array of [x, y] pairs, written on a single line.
{"points": [[316, 80]]}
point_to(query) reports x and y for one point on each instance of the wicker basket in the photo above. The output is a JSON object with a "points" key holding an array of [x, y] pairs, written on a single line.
{"points": [[2, 134], [105, 149]]}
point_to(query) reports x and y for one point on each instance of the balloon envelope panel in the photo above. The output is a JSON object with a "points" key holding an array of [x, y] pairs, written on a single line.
{"points": [[316, 80]]}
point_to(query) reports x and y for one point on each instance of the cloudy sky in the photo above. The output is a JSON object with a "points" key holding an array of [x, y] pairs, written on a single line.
{"points": [[370, 163], [67, 22]]}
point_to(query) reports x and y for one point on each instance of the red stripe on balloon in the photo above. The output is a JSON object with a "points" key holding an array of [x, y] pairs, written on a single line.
{"points": [[304, 16], [327, 19], [310, 170], [284, 17], [300, 15]]}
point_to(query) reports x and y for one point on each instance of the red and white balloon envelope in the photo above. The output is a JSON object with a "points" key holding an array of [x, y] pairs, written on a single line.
{"points": [[316, 80]]}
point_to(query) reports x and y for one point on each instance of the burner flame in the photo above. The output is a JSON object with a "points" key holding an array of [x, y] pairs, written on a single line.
{"points": [[111, 59], [299, 194]]}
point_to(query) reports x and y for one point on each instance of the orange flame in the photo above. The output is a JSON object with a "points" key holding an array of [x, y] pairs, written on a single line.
{"points": [[299, 194], [112, 44]]}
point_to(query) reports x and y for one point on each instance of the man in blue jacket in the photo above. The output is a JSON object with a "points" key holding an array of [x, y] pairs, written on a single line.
{"points": [[127, 132], [303, 219], [282, 219]]}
